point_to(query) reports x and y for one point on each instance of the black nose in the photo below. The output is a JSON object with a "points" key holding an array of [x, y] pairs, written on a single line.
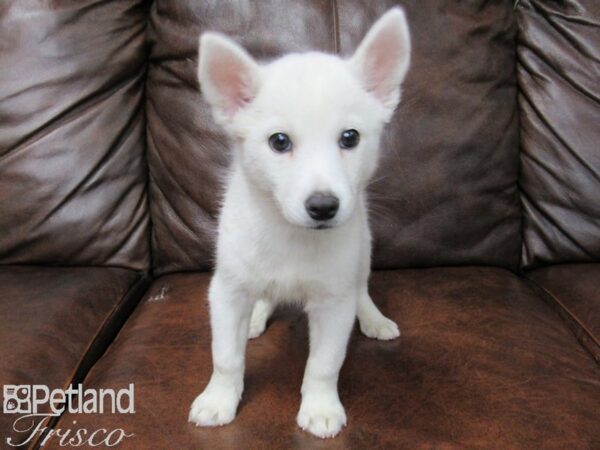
{"points": [[322, 206]]}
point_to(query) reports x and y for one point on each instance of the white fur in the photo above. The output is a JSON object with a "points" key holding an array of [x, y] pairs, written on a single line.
{"points": [[268, 247]]}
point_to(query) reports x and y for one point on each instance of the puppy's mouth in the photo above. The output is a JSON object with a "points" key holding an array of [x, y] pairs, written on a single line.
{"points": [[322, 226]]}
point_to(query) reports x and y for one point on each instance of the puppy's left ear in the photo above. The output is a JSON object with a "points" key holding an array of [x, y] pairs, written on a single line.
{"points": [[381, 60]]}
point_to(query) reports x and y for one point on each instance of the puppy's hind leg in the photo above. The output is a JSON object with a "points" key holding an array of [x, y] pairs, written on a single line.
{"points": [[230, 312], [372, 323], [260, 314]]}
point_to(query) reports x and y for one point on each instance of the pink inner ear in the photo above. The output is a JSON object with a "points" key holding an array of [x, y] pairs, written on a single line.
{"points": [[232, 79], [381, 63]]}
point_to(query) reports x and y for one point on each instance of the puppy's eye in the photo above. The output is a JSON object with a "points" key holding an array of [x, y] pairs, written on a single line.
{"points": [[349, 139], [280, 142]]}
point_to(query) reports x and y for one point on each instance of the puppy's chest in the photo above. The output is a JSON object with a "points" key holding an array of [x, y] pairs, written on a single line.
{"points": [[288, 274], [287, 269], [285, 287]]}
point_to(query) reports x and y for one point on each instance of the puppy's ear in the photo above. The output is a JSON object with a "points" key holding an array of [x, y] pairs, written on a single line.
{"points": [[382, 58], [229, 77]]}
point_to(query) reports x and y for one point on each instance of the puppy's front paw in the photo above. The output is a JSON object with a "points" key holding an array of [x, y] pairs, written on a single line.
{"points": [[215, 406], [323, 416], [379, 328]]}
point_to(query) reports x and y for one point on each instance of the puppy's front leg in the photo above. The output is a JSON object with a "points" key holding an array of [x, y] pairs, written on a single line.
{"points": [[229, 317], [330, 324]]}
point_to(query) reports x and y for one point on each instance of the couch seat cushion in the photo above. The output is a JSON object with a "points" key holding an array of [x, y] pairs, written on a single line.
{"points": [[56, 322], [574, 289], [482, 361]]}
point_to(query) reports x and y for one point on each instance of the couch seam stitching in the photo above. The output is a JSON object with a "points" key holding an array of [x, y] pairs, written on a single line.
{"points": [[567, 310], [336, 27], [146, 154], [141, 281]]}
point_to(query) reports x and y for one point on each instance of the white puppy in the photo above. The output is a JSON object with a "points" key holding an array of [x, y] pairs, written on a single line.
{"points": [[294, 225]]}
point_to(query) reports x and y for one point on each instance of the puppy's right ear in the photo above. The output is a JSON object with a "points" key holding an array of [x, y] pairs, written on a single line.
{"points": [[229, 77]]}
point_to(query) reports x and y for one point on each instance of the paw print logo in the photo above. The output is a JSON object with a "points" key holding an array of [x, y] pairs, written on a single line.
{"points": [[17, 399]]}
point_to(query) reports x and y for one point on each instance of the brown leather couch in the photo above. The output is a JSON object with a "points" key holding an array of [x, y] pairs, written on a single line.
{"points": [[486, 216]]}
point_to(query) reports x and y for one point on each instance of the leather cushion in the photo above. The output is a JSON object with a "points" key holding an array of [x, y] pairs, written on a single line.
{"points": [[559, 75], [56, 322], [573, 290], [447, 189], [481, 361], [72, 170]]}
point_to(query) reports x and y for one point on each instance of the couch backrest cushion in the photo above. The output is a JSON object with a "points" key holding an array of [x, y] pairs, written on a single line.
{"points": [[72, 171], [447, 189], [447, 192], [187, 152], [559, 80]]}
